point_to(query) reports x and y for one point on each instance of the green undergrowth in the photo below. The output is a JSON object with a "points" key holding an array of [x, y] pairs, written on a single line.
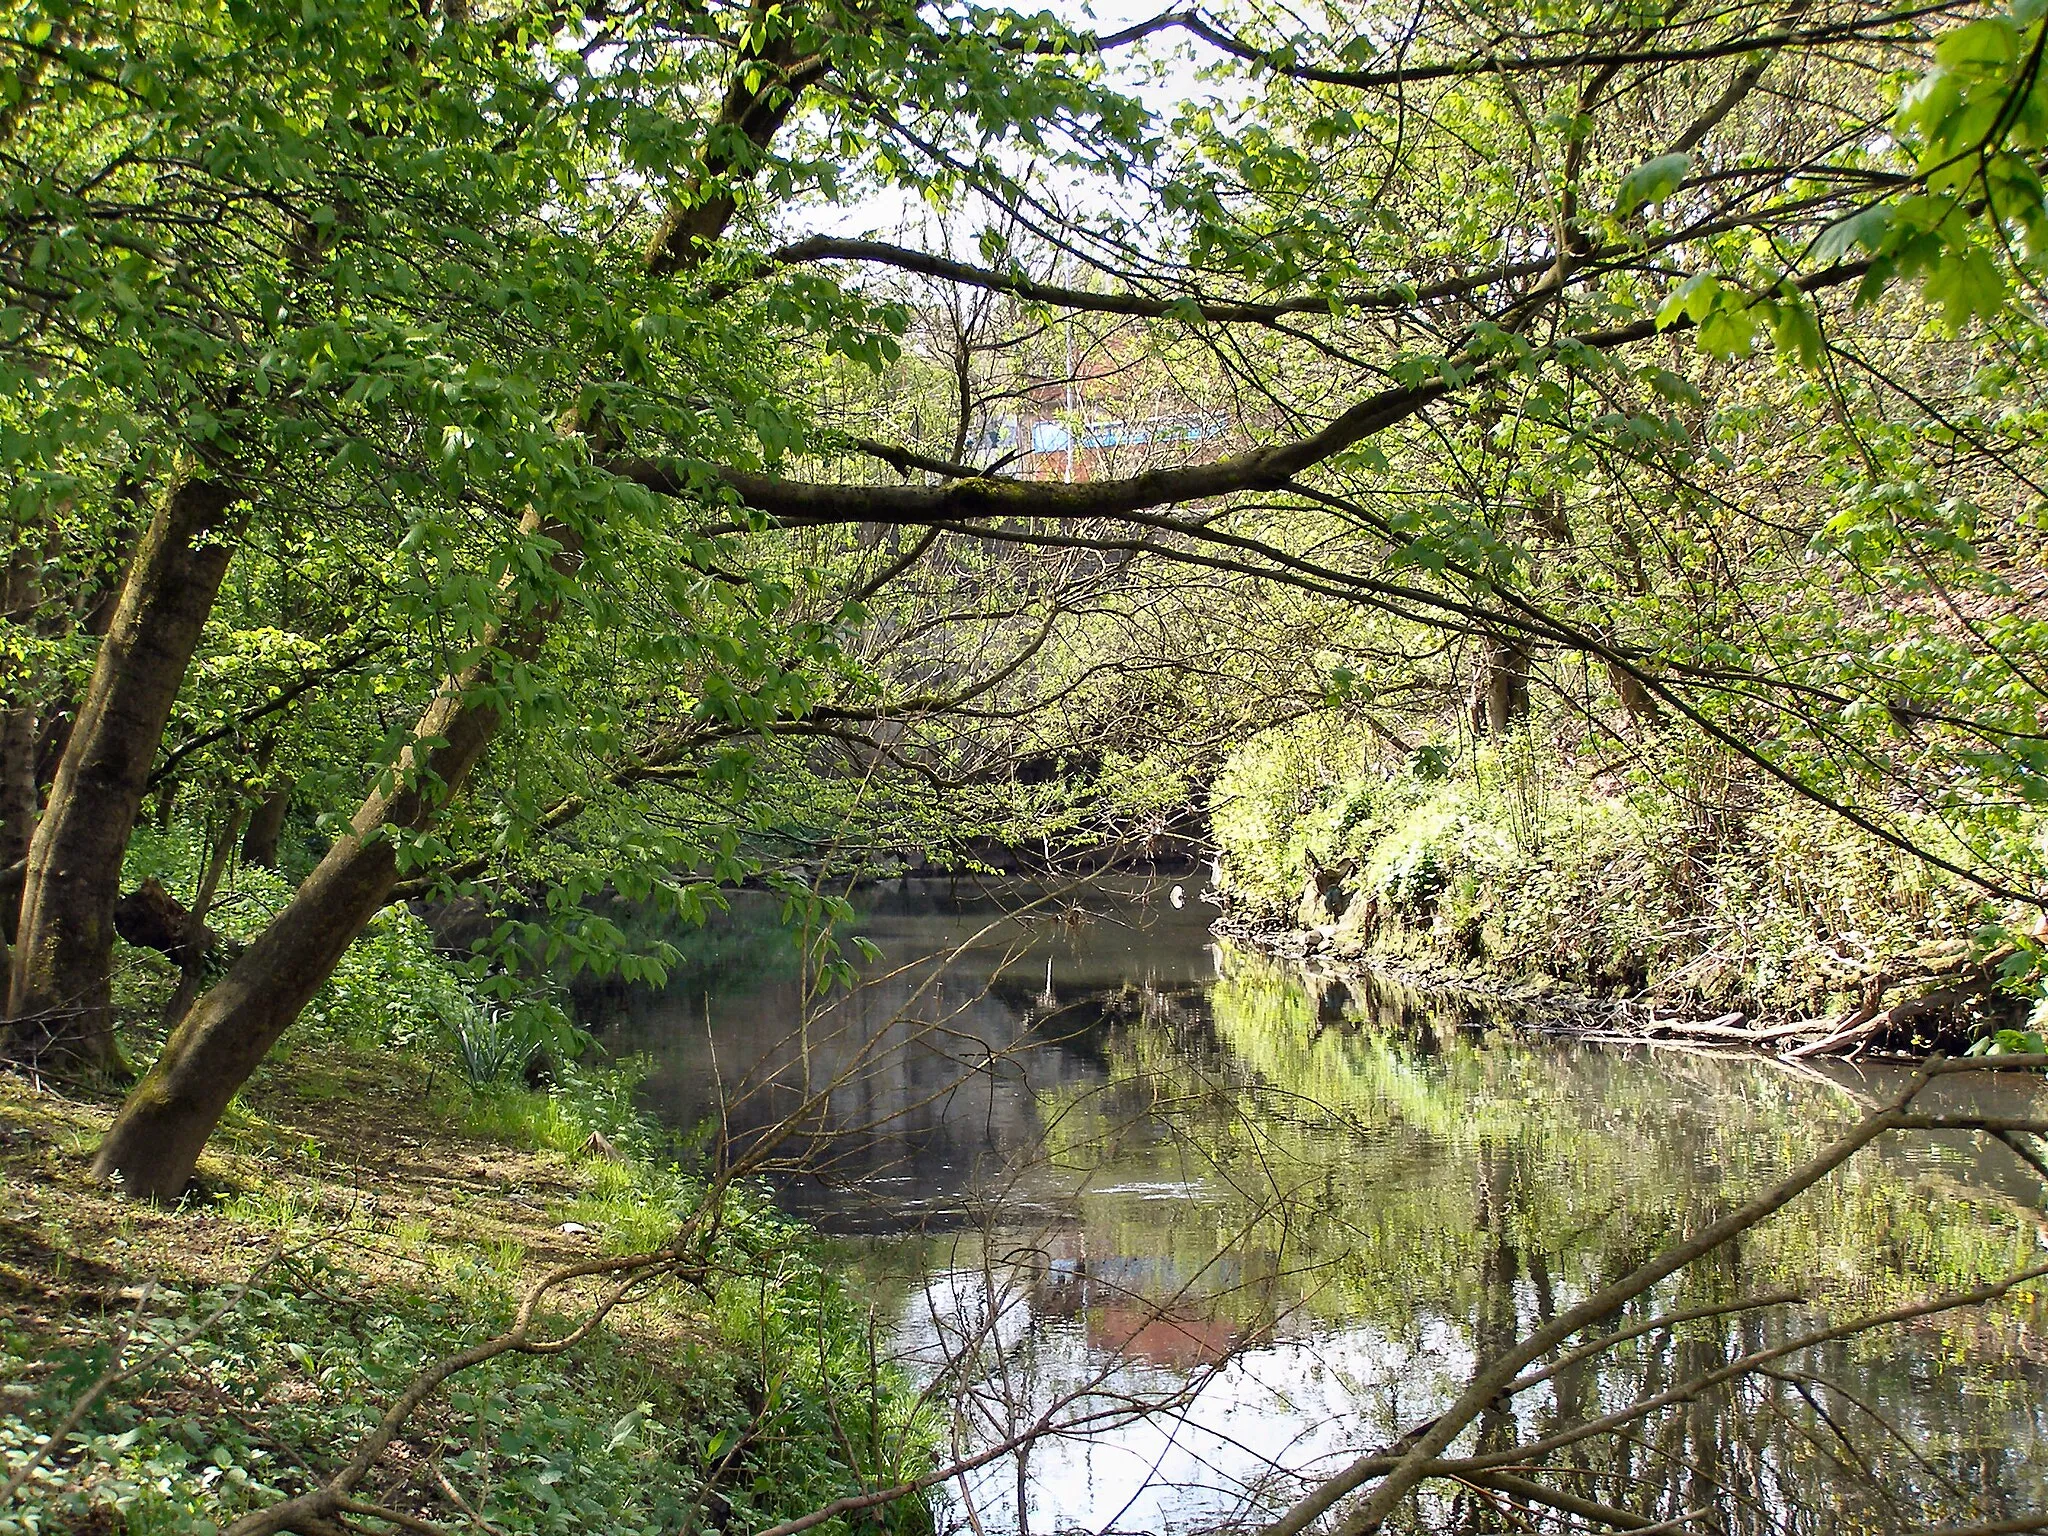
{"points": [[1673, 877], [373, 1203], [744, 1398], [391, 990], [736, 1424]]}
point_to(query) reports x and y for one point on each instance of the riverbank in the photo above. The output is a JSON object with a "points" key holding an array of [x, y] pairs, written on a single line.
{"points": [[1542, 1003], [363, 1214], [1947, 998], [1613, 905]]}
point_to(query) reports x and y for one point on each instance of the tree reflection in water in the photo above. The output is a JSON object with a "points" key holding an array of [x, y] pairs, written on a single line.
{"points": [[1182, 1233]]}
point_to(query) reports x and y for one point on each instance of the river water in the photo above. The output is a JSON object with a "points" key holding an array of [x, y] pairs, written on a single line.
{"points": [[1237, 1223]]}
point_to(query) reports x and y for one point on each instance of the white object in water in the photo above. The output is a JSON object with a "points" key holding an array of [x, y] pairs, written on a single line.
{"points": [[1177, 896]]}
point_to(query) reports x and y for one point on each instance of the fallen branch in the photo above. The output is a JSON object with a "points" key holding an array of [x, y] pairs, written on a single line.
{"points": [[313, 1513], [1566, 1503]]}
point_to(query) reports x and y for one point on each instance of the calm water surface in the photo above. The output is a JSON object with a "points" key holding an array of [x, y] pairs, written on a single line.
{"points": [[1089, 1157]]}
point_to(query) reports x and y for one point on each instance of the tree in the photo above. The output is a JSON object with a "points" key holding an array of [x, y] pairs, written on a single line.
{"points": [[58, 997], [395, 286]]}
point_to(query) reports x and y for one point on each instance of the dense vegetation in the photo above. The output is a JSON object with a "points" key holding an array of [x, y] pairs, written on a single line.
{"points": [[284, 1308], [1546, 864], [527, 468], [414, 398]]}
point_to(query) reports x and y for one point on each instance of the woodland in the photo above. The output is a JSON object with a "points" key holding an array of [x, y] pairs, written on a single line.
{"points": [[1554, 494]]}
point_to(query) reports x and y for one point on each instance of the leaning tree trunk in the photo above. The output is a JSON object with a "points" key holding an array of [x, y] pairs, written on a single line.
{"points": [[58, 1005], [155, 1141], [92, 613]]}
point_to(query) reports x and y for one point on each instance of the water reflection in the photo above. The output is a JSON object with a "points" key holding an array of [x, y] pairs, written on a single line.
{"points": [[1101, 1165], [929, 1078]]}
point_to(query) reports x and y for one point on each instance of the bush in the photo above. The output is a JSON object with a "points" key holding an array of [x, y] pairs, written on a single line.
{"points": [[391, 990], [1743, 897], [1282, 796]]}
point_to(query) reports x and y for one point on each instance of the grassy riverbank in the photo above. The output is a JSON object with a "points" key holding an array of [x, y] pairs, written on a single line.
{"points": [[366, 1211], [1515, 863]]}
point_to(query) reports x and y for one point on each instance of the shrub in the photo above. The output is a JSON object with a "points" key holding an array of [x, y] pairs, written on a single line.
{"points": [[1753, 900]]}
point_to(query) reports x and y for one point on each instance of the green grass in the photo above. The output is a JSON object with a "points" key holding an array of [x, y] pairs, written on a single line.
{"points": [[730, 1392]]}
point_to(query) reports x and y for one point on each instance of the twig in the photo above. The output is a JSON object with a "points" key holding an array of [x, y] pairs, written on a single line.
{"points": [[1487, 1384], [112, 1378], [315, 1510]]}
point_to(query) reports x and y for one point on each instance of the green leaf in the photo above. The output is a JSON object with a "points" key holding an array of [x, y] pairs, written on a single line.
{"points": [[1967, 285], [1730, 331], [1795, 331], [1674, 387], [1993, 42], [1651, 182], [1693, 299], [1866, 229]]}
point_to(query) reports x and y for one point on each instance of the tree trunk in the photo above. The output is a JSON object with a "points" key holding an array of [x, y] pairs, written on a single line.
{"points": [[17, 823], [59, 998], [19, 801], [1502, 697], [1640, 703], [193, 965], [266, 826], [155, 1142], [92, 612]]}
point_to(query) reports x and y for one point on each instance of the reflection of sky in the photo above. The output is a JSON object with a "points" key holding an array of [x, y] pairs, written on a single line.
{"points": [[1300, 1404], [1235, 1445], [1490, 1133]]}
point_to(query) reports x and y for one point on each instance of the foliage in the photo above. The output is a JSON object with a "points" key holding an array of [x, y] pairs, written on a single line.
{"points": [[736, 1400], [477, 317], [1612, 881], [1682, 374], [608, 1443], [495, 1040], [392, 989]]}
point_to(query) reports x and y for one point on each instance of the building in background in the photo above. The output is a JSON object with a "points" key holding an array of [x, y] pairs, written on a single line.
{"points": [[1079, 448]]}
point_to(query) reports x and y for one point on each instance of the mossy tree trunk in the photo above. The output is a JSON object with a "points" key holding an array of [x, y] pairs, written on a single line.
{"points": [[58, 1005], [155, 1142], [19, 801]]}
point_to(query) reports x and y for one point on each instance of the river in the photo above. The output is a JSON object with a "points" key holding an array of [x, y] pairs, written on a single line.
{"points": [[1247, 1222]]}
